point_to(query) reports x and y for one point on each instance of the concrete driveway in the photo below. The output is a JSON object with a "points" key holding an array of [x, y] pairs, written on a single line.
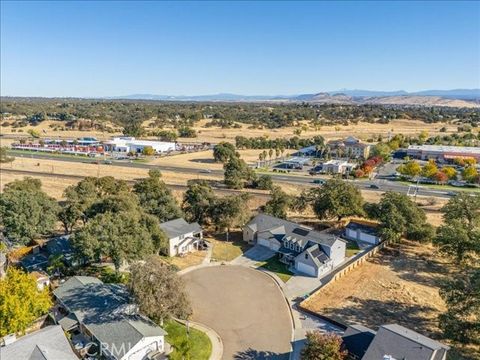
{"points": [[254, 255], [245, 307]]}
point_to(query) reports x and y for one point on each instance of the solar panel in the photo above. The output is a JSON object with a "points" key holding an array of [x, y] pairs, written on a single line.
{"points": [[301, 232]]}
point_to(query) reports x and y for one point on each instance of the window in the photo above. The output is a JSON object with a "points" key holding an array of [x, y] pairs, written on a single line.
{"points": [[181, 237], [306, 256]]}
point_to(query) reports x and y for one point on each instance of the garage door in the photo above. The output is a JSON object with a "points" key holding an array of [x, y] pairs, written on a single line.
{"points": [[368, 238], [306, 269], [264, 242]]}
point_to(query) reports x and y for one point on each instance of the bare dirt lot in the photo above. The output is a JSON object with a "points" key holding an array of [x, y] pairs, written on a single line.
{"points": [[245, 308], [400, 284]]}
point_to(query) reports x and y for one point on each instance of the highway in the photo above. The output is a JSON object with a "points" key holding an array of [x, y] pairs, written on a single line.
{"points": [[383, 185]]}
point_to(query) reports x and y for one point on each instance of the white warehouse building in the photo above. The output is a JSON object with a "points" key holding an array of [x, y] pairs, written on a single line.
{"points": [[130, 144]]}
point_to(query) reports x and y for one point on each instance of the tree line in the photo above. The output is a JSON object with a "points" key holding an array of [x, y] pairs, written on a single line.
{"points": [[269, 115]]}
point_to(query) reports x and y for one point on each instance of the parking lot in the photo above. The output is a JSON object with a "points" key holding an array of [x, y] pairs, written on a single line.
{"points": [[245, 307]]}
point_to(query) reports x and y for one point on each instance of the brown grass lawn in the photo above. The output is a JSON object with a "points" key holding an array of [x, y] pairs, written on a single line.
{"points": [[183, 262], [227, 251]]}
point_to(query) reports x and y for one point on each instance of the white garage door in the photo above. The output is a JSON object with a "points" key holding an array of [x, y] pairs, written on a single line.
{"points": [[351, 233], [368, 238], [306, 269], [264, 242]]}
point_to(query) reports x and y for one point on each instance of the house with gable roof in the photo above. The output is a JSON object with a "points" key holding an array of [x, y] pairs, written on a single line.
{"points": [[308, 251]]}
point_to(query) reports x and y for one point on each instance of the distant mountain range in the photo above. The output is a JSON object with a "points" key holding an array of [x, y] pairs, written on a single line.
{"points": [[455, 97]]}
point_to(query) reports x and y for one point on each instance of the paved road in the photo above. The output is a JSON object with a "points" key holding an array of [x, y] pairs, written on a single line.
{"points": [[245, 307], [383, 185]]}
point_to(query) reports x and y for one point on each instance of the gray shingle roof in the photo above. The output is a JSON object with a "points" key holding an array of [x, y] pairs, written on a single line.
{"points": [[177, 227], [105, 309], [402, 343], [48, 343], [301, 234], [357, 339]]}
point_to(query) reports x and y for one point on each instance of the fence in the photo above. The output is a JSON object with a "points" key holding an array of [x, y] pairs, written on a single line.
{"points": [[343, 270]]}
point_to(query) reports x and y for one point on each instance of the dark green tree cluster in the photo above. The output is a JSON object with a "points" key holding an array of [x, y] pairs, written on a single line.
{"points": [[200, 204], [224, 151], [400, 217], [237, 174], [259, 115], [262, 142], [26, 211]]}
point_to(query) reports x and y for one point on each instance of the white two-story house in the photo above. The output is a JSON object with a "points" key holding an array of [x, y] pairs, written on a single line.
{"points": [[182, 236], [308, 251]]}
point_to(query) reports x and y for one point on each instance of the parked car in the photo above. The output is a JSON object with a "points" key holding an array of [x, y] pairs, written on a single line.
{"points": [[319, 181], [374, 186], [206, 171]]}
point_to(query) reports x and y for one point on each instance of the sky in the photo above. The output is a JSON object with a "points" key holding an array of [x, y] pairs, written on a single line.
{"points": [[97, 49]]}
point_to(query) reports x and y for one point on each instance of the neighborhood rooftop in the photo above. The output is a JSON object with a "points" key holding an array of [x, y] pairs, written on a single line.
{"points": [[302, 234], [393, 340], [177, 227], [48, 343], [106, 311]]}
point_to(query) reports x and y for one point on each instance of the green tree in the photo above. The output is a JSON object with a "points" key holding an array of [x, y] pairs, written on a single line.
{"points": [[198, 202], [26, 211], [263, 182], [80, 198], [224, 151], [156, 198], [450, 172], [237, 174], [382, 150], [336, 199], [134, 129], [459, 236], [4, 158], [470, 174], [122, 237], [158, 290], [187, 132], [400, 216], [323, 346], [55, 264], [429, 169], [461, 321], [21, 302], [230, 212], [279, 203], [148, 151], [410, 168]]}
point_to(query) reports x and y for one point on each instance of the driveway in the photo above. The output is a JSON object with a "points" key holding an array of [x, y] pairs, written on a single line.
{"points": [[253, 256], [245, 307]]}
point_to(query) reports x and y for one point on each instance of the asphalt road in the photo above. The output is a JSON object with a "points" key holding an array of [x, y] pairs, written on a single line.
{"points": [[383, 185], [245, 307]]}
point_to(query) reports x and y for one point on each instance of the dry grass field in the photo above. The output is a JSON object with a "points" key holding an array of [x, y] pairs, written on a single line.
{"points": [[216, 134], [400, 284]]}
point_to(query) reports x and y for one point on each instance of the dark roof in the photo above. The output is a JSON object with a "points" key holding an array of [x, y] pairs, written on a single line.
{"points": [[48, 343], [106, 310], [316, 254], [177, 227], [403, 343], [371, 230], [33, 262], [59, 246], [357, 339], [263, 222]]}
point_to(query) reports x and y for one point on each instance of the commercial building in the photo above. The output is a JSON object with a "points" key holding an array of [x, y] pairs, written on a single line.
{"points": [[443, 153], [349, 147], [130, 144], [337, 167]]}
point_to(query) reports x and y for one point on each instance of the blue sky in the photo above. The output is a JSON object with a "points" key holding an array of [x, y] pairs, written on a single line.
{"points": [[117, 48]]}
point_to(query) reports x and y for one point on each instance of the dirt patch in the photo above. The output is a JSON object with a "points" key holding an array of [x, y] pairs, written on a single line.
{"points": [[398, 285]]}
